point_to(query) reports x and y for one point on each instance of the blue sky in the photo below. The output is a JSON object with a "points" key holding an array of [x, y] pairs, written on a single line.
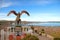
{"points": [[39, 10]]}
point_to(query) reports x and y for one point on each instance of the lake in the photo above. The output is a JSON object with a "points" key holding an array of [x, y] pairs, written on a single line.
{"points": [[40, 24], [44, 24]]}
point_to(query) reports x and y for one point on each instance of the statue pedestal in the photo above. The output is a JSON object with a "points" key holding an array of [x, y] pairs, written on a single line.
{"points": [[18, 28]]}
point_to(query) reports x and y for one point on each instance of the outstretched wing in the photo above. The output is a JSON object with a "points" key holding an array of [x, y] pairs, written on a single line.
{"points": [[25, 12], [12, 12]]}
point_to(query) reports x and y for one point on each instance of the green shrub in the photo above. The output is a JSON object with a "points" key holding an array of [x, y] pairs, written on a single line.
{"points": [[30, 37], [56, 38]]}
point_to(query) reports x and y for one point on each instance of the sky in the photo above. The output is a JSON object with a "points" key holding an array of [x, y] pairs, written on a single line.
{"points": [[39, 10]]}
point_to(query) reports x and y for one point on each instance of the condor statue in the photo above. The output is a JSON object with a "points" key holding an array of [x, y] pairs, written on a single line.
{"points": [[18, 19]]}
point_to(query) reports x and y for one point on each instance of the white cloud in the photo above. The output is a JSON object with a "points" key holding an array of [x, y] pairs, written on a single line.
{"points": [[5, 4], [3, 16], [37, 17], [43, 17], [23, 2], [42, 2]]}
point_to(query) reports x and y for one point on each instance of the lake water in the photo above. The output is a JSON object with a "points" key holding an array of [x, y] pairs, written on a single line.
{"points": [[44, 24], [40, 24]]}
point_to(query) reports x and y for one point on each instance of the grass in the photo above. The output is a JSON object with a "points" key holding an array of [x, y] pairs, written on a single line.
{"points": [[53, 31], [55, 34]]}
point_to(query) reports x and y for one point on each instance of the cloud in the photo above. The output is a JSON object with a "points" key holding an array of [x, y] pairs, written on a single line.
{"points": [[2, 14], [42, 2], [2, 5], [44, 17], [37, 17], [23, 2]]}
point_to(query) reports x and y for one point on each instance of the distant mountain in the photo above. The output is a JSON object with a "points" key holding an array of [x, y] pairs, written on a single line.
{"points": [[32, 21], [54, 21]]}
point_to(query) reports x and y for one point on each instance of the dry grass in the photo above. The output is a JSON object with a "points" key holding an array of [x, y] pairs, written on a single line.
{"points": [[53, 31]]}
